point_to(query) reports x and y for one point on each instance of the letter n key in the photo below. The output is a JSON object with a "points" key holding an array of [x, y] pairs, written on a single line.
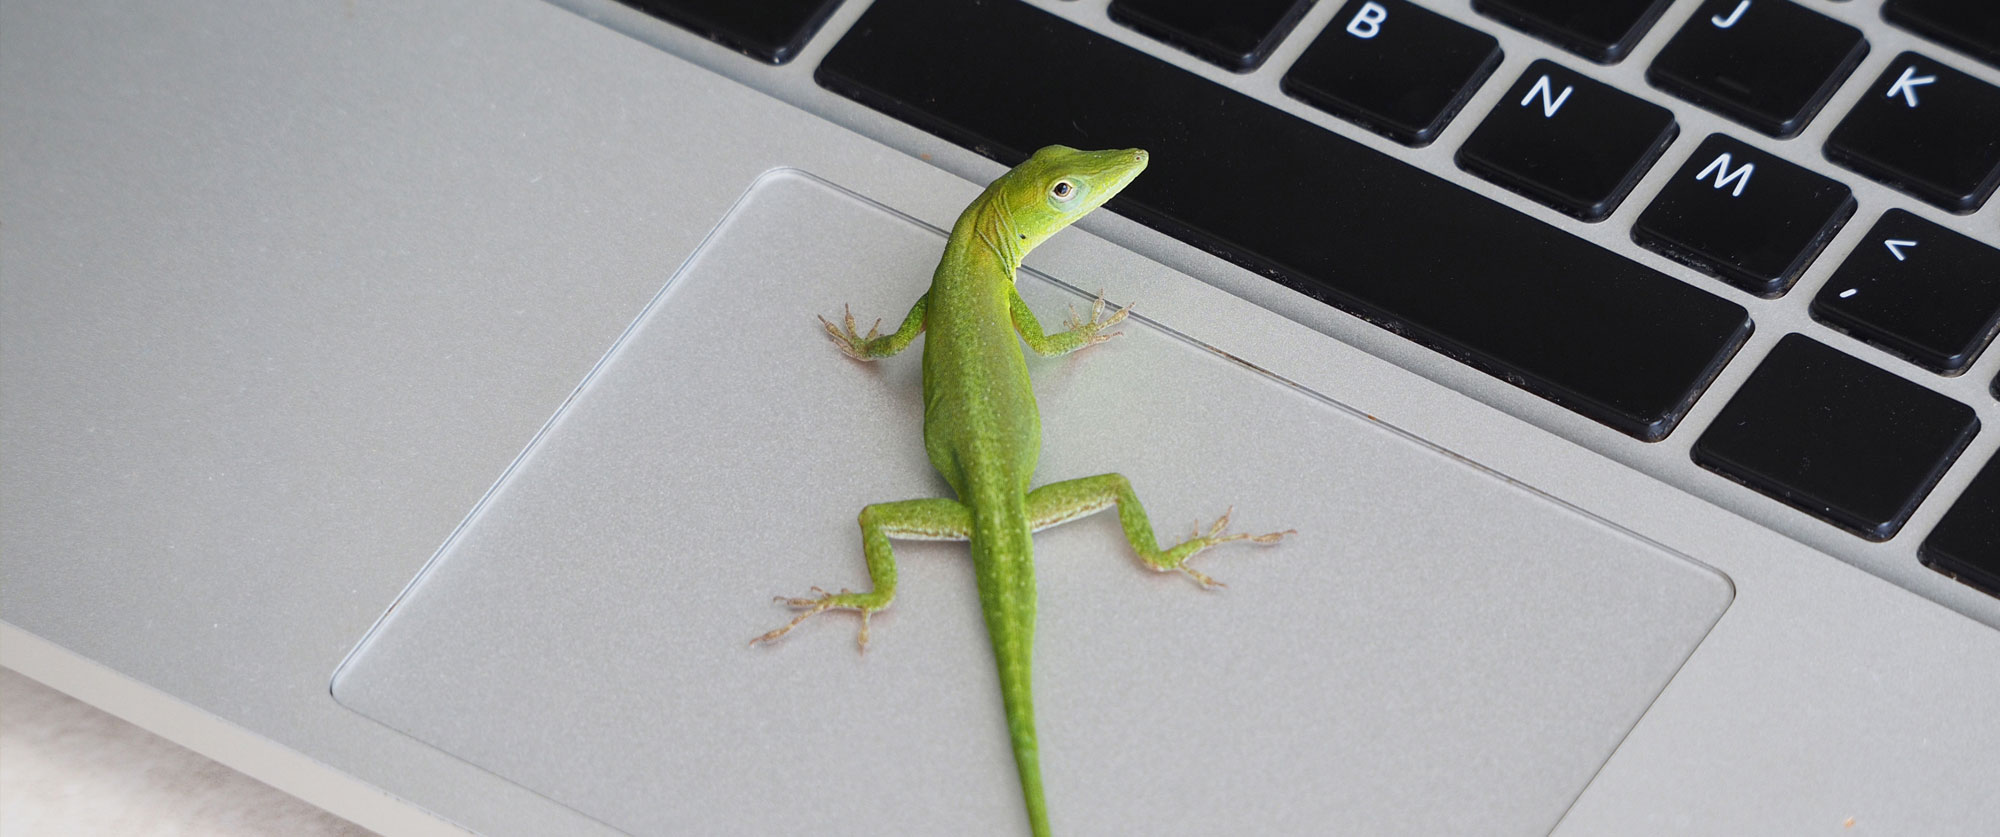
{"points": [[1568, 141]]}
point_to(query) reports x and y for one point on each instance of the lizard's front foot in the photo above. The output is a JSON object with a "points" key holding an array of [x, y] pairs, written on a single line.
{"points": [[1177, 557], [849, 341], [866, 603], [1093, 328]]}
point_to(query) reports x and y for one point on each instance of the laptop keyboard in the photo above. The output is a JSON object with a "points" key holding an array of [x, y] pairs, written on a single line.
{"points": [[1815, 426], [1253, 184]]}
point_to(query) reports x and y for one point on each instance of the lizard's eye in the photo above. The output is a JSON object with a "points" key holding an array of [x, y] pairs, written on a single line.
{"points": [[1063, 190]]}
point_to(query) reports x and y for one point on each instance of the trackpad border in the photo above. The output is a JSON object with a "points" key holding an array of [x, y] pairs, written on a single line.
{"points": [[1441, 649]]}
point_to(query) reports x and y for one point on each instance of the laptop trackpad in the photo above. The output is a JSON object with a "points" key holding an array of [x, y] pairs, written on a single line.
{"points": [[1438, 650]]}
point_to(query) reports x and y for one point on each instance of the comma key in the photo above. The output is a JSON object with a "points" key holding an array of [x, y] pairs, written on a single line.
{"points": [[1917, 290]]}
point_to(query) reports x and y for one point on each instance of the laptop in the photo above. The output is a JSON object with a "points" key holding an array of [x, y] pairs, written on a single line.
{"points": [[418, 405]]}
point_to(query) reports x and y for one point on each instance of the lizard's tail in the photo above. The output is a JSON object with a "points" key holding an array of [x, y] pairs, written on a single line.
{"points": [[1007, 594], [1011, 651]]}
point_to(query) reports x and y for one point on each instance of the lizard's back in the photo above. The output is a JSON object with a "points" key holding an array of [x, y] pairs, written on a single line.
{"points": [[981, 427]]}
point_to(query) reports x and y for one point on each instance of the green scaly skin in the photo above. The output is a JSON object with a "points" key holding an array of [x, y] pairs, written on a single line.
{"points": [[983, 432]]}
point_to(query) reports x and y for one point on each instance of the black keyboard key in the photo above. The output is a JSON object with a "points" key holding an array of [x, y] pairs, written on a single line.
{"points": [[1769, 64], [1926, 129], [1918, 290], [1966, 543], [1567, 141], [1600, 334], [1744, 216], [1394, 68], [1836, 438], [1600, 30], [1970, 26], [772, 30], [1237, 34]]}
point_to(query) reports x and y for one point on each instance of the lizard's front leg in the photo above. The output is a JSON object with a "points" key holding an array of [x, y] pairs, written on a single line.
{"points": [[1061, 502], [933, 519], [874, 344], [1079, 335]]}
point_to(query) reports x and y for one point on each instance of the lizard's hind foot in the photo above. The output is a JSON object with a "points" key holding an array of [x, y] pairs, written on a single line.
{"points": [[865, 603], [1176, 557]]}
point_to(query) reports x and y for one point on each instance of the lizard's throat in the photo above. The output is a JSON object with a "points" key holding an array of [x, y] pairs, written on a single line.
{"points": [[997, 231]]}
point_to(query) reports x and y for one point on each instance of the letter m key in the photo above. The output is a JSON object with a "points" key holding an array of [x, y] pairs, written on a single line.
{"points": [[1723, 174]]}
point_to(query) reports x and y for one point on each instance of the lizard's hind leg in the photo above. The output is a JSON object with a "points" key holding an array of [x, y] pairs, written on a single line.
{"points": [[934, 519], [1061, 502]]}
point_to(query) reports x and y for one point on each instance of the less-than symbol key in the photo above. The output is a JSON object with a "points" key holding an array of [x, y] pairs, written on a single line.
{"points": [[1927, 293]]}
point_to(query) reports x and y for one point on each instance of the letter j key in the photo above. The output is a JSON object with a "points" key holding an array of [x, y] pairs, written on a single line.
{"points": [[1769, 64]]}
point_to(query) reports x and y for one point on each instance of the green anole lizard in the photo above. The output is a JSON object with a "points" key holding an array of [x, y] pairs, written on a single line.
{"points": [[983, 432]]}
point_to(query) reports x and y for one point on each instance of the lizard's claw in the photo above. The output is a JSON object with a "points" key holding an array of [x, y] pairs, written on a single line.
{"points": [[1206, 582], [822, 602], [1215, 535], [1197, 541], [847, 339], [1097, 323]]}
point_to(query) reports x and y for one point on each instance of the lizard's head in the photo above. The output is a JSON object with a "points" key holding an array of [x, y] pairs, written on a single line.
{"points": [[1059, 185]]}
